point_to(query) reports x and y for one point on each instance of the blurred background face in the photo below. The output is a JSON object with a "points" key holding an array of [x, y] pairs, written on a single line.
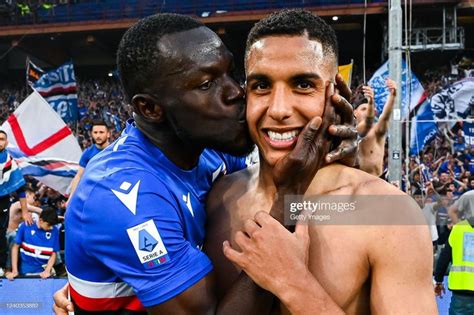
{"points": [[286, 83], [100, 134], [3, 141], [361, 112]]}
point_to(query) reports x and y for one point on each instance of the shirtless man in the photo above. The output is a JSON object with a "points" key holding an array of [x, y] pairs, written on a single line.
{"points": [[372, 146], [15, 210], [291, 57]]}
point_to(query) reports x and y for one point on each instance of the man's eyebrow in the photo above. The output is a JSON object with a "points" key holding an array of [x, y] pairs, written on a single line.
{"points": [[257, 77], [303, 76]]}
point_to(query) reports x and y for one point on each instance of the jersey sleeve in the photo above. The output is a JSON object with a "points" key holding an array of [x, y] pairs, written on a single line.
{"points": [[84, 158], [233, 163], [142, 238]]}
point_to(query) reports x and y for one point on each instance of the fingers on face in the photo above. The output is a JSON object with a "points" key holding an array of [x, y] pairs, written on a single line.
{"points": [[342, 87], [344, 108], [345, 132]]}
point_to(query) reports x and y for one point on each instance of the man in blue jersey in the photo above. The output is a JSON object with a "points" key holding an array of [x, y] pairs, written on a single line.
{"points": [[136, 221], [100, 135], [11, 180], [37, 244]]}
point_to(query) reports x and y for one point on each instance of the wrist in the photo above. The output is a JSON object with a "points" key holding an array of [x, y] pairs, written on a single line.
{"points": [[292, 292]]}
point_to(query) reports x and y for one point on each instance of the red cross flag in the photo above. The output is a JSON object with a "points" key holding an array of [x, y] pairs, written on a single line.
{"points": [[42, 144]]}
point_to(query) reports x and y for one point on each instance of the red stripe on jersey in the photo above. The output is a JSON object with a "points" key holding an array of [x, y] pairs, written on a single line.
{"points": [[32, 250], [131, 303]]}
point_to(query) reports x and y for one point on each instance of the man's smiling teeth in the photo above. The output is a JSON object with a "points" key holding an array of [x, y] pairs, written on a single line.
{"points": [[286, 136]]}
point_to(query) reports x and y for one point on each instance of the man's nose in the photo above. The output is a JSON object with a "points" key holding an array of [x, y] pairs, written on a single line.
{"points": [[234, 91], [280, 106]]}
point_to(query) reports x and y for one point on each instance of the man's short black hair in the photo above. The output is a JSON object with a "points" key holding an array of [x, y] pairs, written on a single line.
{"points": [[99, 123], [294, 22], [2, 131], [138, 58], [49, 215]]}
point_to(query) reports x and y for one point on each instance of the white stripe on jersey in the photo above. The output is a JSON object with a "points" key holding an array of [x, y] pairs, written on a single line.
{"points": [[34, 254], [100, 290]]}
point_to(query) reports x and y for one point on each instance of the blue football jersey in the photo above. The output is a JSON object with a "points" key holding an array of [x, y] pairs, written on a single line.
{"points": [[135, 224], [36, 247], [88, 154]]}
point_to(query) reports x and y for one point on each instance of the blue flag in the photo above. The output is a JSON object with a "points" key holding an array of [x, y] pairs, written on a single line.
{"points": [[377, 82], [11, 178], [468, 128], [59, 88], [422, 132]]}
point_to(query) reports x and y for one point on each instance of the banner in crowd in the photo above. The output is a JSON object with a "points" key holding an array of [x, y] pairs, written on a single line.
{"points": [[454, 102], [346, 72], [377, 82], [422, 131], [42, 144], [468, 129], [59, 88], [33, 72]]}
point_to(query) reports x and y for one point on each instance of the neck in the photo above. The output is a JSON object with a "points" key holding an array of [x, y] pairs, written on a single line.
{"points": [[265, 179], [103, 145], [182, 154]]}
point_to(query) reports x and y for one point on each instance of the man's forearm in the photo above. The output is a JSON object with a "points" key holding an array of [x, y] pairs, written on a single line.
{"points": [[34, 209], [15, 257], [443, 262], [24, 206], [74, 182], [245, 297], [306, 296], [51, 262]]}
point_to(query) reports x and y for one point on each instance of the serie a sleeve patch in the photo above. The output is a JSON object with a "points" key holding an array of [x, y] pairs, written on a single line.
{"points": [[146, 241]]}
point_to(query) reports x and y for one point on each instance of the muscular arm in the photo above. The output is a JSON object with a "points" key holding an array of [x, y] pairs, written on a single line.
{"points": [[402, 268]]}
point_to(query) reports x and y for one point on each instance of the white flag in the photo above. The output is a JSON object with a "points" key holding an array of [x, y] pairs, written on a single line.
{"points": [[42, 143]]}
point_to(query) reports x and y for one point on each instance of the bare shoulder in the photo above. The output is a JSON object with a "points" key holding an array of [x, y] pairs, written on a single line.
{"points": [[229, 188], [399, 224], [388, 213]]}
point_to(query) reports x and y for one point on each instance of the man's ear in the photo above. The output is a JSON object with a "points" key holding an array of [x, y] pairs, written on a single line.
{"points": [[147, 107]]}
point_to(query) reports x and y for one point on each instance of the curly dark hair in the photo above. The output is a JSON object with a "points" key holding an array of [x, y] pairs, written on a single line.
{"points": [[138, 57], [294, 22]]}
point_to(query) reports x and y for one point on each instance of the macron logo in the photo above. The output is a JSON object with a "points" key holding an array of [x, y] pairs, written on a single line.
{"points": [[128, 199], [187, 199]]}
